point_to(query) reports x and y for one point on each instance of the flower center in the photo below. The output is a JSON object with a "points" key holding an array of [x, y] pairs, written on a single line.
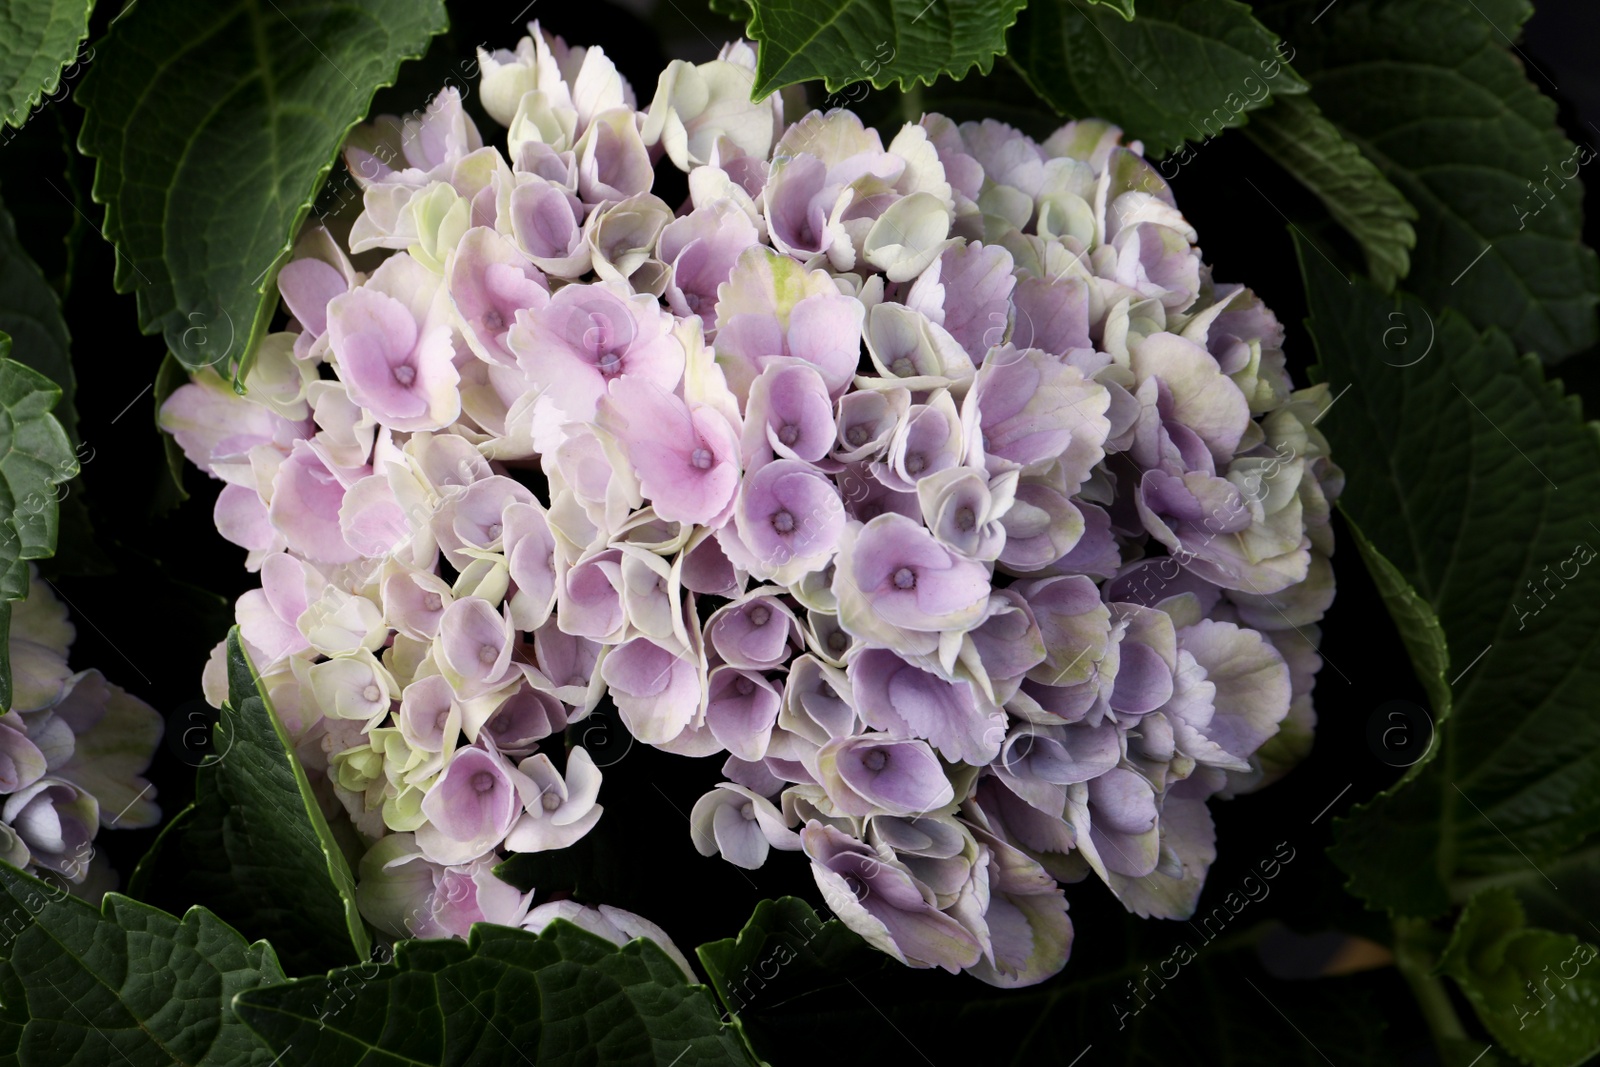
{"points": [[578, 679], [905, 578], [483, 781], [838, 641], [783, 522], [748, 810], [488, 654], [965, 519], [856, 435], [915, 462], [493, 320], [550, 802], [744, 686], [405, 374], [789, 433], [700, 459], [875, 759], [432, 602], [493, 530], [902, 367], [610, 364], [371, 693], [759, 615]]}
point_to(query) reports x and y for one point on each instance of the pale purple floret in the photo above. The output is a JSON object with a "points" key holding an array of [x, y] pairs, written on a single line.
{"points": [[756, 633], [787, 522], [475, 645], [547, 224], [1121, 812], [468, 894], [741, 710], [1051, 314], [559, 809], [589, 336], [866, 420], [1029, 408], [968, 291], [657, 689], [875, 773], [306, 286], [613, 163], [490, 281], [956, 718], [524, 719], [472, 807], [530, 550], [306, 497], [881, 901], [771, 308], [701, 248], [928, 440], [686, 458], [474, 520], [900, 589], [268, 616], [21, 762], [589, 602], [788, 415], [741, 824], [401, 370]]}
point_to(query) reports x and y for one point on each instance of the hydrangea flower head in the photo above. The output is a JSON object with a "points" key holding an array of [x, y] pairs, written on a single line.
{"points": [[926, 475]]}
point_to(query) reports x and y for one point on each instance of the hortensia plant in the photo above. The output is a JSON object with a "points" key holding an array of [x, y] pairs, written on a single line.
{"points": [[936, 486]]}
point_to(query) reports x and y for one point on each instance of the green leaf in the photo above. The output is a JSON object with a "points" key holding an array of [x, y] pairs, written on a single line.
{"points": [[1294, 132], [1453, 448], [1121, 7], [1428, 91], [1418, 625], [563, 996], [41, 37], [1560, 903], [31, 313], [255, 847], [35, 457], [759, 965], [881, 41], [126, 984], [1535, 990], [214, 127], [1183, 70]]}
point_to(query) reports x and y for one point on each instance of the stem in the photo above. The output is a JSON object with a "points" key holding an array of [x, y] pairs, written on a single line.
{"points": [[1414, 956], [911, 103]]}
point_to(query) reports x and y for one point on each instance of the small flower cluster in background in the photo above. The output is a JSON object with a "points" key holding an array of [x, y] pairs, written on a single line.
{"points": [[73, 748], [936, 486]]}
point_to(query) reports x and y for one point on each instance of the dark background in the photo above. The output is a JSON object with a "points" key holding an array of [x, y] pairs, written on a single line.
{"points": [[154, 595]]}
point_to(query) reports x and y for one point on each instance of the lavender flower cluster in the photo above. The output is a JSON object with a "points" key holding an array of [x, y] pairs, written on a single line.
{"points": [[938, 485], [73, 749]]}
